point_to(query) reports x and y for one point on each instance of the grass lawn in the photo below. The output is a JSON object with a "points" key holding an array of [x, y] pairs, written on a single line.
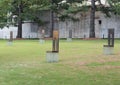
{"points": [[81, 62]]}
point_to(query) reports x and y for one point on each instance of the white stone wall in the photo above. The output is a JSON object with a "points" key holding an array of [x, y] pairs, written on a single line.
{"points": [[80, 29], [5, 32], [26, 31], [107, 23], [29, 30]]}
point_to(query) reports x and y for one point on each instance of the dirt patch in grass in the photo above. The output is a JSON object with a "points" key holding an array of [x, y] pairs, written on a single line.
{"points": [[107, 63], [91, 38]]}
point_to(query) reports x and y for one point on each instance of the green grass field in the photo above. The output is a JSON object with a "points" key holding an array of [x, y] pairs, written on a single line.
{"points": [[81, 62]]}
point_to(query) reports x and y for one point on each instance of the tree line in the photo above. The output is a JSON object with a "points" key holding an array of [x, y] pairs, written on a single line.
{"points": [[14, 12]]}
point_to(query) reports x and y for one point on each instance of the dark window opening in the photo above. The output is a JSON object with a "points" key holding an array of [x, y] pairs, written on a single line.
{"points": [[100, 22]]}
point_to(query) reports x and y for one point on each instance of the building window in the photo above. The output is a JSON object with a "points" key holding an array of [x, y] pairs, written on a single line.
{"points": [[100, 22]]}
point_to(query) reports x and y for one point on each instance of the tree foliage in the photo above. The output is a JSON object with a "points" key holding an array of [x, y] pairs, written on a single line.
{"points": [[65, 8], [115, 6], [4, 7], [29, 9]]}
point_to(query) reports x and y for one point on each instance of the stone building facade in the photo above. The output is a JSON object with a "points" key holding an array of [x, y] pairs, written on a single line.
{"points": [[80, 28]]}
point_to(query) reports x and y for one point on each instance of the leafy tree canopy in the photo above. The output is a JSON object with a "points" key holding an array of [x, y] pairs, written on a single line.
{"points": [[30, 9], [115, 6]]}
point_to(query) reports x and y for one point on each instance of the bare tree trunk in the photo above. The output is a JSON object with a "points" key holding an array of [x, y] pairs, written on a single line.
{"points": [[19, 32], [92, 20], [52, 23]]}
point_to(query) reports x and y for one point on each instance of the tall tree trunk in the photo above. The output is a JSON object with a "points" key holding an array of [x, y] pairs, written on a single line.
{"points": [[52, 23], [19, 32], [52, 20], [92, 20]]}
